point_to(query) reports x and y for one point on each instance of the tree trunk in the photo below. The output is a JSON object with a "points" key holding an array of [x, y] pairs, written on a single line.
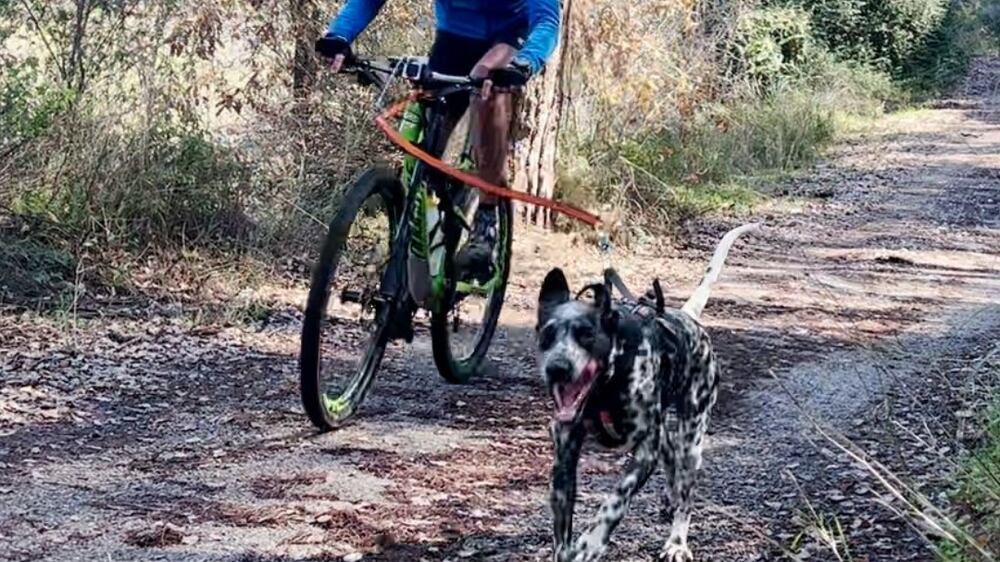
{"points": [[537, 134], [304, 18]]}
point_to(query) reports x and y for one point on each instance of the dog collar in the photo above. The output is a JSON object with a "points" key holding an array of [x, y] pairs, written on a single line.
{"points": [[608, 424]]}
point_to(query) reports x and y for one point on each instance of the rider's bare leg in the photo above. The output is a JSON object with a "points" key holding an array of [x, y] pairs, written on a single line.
{"points": [[491, 114], [491, 141], [492, 121]]}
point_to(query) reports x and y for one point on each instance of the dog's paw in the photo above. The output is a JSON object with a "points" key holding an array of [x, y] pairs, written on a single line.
{"points": [[563, 554], [579, 553], [673, 552]]}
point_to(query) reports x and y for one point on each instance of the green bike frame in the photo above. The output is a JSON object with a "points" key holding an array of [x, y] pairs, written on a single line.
{"points": [[423, 231]]}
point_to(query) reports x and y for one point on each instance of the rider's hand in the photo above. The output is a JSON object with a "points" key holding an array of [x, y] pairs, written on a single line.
{"points": [[514, 75], [337, 49], [498, 57], [511, 77]]}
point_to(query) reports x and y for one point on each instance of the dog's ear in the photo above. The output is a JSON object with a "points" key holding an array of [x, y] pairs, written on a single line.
{"points": [[555, 291], [661, 305]]}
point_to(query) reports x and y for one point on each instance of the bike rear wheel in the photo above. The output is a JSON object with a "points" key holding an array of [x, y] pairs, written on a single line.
{"points": [[464, 325], [347, 320]]}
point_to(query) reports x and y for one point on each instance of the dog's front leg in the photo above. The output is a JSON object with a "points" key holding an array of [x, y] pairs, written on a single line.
{"points": [[568, 440], [591, 545]]}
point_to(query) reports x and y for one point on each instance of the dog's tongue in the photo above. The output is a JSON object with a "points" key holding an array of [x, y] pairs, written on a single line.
{"points": [[570, 397]]}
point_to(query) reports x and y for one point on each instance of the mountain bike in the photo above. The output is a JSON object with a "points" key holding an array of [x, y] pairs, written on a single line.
{"points": [[390, 251]]}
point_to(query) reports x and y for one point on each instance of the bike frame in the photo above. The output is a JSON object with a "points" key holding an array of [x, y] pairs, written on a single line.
{"points": [[414, 234], [423, 125]]}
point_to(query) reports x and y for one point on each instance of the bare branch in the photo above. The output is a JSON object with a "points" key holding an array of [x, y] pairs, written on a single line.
{"points": [[36, 22]]}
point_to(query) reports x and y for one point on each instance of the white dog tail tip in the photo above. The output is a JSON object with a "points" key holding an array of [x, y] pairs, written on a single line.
{"points": [[696, 304]]}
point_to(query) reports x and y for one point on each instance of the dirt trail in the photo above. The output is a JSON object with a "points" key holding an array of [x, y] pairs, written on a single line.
{"points": [[134, 437]]}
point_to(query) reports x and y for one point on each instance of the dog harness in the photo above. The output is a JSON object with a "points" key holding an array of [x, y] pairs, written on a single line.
{"points": [[649, 307]]}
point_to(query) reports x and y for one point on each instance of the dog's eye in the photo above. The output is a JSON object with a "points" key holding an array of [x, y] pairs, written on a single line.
{"points": [[547, 338], [583, 334]]}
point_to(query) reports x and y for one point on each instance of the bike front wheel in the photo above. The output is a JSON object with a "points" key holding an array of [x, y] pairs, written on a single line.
{"points": [[347, 320]]}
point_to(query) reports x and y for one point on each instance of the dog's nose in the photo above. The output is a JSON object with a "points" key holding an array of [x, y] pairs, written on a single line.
{"points": [[558, 371]]}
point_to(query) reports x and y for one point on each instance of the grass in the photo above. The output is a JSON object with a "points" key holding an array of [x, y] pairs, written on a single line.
{"points": [[715, 160], [956, 512], [131, 187], [978, 494]]}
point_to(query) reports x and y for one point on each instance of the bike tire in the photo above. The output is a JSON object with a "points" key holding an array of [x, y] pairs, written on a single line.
{"points": [[459, 370], [377, 182]]}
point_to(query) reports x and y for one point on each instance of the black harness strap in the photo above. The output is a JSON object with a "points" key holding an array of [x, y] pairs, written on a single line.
{"points": [[649, 307], [661, 305], [611, 277], [640, 306]]}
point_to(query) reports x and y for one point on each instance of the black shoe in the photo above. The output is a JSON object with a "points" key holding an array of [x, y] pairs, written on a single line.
{"points": [[475, 260]]}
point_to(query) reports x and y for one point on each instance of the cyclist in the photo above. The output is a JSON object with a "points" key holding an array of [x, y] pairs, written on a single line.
{"points": [[506, 40]]}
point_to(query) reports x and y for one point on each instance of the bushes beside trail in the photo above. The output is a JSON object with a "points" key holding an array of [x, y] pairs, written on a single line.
{"points": [[196, 138]]}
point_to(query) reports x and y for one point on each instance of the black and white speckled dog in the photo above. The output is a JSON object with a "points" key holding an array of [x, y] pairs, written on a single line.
{"points": [[635, 376]]}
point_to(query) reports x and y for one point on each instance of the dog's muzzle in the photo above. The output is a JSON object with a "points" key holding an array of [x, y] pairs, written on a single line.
{"points": [[558, 371], [570, 394]]}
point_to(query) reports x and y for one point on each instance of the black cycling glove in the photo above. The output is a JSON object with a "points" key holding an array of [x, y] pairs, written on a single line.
{"points": [[331, 46], [515, 75]]}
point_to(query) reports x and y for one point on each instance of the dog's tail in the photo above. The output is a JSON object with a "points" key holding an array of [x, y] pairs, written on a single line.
{"points": [[696, 304]]}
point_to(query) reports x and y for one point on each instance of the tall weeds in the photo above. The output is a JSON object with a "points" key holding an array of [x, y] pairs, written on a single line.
{"points": [[194, 137]]}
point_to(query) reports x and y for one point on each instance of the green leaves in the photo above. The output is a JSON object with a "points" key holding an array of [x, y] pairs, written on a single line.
{"points": [[883, 32], [28, 104], [770, 42]]}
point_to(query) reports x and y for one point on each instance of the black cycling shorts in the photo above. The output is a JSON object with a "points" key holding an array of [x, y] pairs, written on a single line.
{"points": [[457, 55]]}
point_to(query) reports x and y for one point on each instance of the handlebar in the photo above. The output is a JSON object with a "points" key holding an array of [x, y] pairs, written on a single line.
{"points": [[375, 72], [413, 69]]}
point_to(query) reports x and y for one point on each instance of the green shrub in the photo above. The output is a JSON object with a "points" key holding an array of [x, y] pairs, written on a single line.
{"points": [[847, 88], [711, 161], [31, 267], [771, 42], [989, 16], [970, 27], [28, 107], [883, 32], [703, 166], [165, 182], [777, 133]]}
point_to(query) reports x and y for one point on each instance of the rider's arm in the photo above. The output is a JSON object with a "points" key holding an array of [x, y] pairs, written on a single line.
{"points": [[353, 18], [544, 33]]}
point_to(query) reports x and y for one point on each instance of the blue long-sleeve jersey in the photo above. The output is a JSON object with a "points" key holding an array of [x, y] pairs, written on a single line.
{"points": [[476, 19]]}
